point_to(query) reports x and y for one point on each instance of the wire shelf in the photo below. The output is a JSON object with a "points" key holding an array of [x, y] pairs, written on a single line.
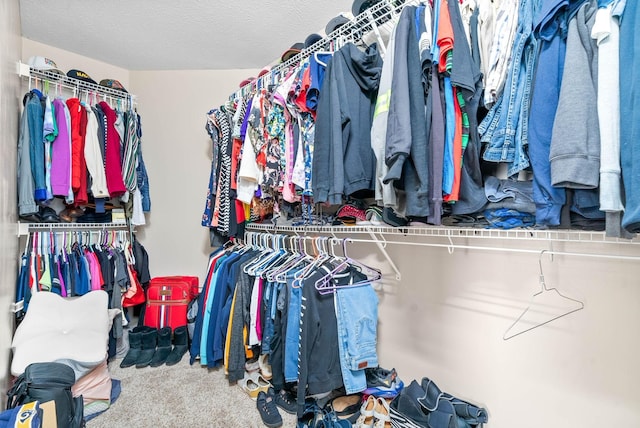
{"points": [[76, 85], [445, 232], [382, 13], [26, 228]]}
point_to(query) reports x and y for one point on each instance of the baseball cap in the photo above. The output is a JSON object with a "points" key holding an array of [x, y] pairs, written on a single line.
{"points": [[264, 71], [246, 81], [112, 84], [336, 23], [312, 39], [80, 75], [360, 6], [43, 64], [296, 48]]}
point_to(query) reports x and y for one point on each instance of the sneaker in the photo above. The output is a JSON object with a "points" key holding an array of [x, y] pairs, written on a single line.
{"points": [[268, 410], [377, 376], [285, 400], [382, 383]]}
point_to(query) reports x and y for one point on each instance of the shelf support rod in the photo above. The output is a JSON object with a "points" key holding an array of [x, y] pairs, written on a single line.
{"points": [[383, 250]]}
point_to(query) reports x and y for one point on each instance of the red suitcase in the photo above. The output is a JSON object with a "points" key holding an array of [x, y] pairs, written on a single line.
{"points": [[192, 280], [167, 301]]}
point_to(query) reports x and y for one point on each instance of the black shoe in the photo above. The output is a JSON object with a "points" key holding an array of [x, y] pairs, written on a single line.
{"points": [[377, 376], [180, 345], [164, 347], [390, 217], [285, 400], [268, 410], [149, 342], [406, 408], [135, 346]]}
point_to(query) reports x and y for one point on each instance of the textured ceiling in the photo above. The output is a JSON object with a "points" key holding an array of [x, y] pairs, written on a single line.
{"points": [[177, 35]]}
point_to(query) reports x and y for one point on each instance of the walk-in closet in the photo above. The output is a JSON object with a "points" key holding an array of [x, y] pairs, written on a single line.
{"points": [[348, 213]]}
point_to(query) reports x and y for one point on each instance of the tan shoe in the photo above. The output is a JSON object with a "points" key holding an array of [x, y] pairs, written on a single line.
{"points": [[381, 413], [367, 419]]}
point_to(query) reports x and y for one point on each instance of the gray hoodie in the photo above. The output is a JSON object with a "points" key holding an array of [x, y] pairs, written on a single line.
{"points": [[343, 161], [575, 141]]}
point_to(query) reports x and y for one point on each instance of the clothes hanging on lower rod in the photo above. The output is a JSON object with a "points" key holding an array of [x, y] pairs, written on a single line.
{"points": [[261, 302], [77, 262]]}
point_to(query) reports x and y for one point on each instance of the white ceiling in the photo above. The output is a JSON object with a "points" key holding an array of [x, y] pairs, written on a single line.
{"points": [[177, 35]]}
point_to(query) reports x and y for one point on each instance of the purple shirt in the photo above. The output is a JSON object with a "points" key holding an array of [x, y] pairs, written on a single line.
{"points": [[61, 152]]}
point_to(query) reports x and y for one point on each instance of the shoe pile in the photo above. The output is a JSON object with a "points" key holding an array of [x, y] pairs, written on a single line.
{"points": [[382, 382], [424, 404], [152, 347]]}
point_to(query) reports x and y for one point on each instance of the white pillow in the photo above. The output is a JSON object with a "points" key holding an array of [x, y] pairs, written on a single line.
{"points": [[73, 330]]}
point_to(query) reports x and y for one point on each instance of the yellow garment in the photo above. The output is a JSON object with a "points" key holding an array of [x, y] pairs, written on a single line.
{"points": [[227, 340]]}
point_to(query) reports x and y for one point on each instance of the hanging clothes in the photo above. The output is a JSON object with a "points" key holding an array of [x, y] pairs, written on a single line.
{"points": [[265, 301]]}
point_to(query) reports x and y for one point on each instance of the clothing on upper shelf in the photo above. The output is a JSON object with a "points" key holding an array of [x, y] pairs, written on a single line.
{"points": [[70, 149], [420, 130]]}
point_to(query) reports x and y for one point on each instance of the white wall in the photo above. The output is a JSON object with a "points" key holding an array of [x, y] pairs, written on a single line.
{"points": [[447, 316], [66, 61], [177, 153], [10, 102]]}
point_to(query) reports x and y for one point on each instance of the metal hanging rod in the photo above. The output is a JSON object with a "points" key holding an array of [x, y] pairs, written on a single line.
{"points": [[76, 85], [353, 31], [26, 228], [382, 243], [454, 233]]}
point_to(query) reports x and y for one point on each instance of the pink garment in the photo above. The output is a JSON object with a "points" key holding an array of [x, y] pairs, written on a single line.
{"points": [[94, 268], [61, 152], [258, 317], [113, 162], [95, 385]]}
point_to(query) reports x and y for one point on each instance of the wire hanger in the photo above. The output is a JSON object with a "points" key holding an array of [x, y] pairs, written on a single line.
{"points": [[546, 293]]}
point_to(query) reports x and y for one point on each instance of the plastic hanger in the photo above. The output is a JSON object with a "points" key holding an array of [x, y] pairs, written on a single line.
{"points": [[326, 284], [545, 298], [322, 256]]}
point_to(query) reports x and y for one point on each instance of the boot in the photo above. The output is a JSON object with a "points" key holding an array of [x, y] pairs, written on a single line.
{"points": [[149, 340], [180, 345], [135, 346], [164, 347]]}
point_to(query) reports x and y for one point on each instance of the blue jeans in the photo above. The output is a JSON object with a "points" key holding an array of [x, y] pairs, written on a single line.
{"points": [[292, 337], [269, 296], [143, 183], [357, 315], [630, 115], [506, 125]]}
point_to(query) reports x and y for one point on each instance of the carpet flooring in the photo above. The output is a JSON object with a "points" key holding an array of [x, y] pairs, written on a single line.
{"points": [[179, 396]]}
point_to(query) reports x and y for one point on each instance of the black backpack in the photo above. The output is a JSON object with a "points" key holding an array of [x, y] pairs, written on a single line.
{"points": [[44, 382]]}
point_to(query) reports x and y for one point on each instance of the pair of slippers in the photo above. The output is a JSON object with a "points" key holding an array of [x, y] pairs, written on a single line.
{"points": [[253, 383]]}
